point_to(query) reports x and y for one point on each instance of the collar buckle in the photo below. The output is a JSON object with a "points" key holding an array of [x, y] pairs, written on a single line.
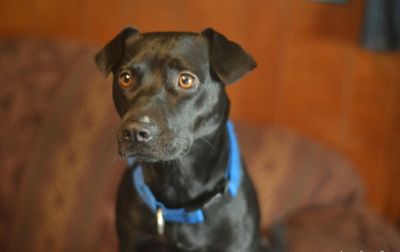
{"points": [[160, 221]]}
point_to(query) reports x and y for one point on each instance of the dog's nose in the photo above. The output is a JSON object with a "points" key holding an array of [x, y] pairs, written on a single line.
{"points": [[140, 132]]}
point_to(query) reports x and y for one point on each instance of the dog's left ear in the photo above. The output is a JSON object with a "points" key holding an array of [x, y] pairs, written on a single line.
{"points": [[111, 54], [228, 59]]}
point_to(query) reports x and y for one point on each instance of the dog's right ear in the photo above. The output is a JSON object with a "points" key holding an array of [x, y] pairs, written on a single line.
{"points": [[111, 54]]}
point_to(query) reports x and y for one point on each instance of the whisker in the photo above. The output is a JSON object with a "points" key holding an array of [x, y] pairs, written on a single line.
{"points": [[129, 56], [208, 142]]}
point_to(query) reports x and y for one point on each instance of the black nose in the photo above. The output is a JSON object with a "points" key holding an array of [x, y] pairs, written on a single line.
{"points": [[140, 132]]}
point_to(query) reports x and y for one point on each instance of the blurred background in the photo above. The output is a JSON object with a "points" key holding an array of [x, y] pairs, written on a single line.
{"points": [[328, 77]]}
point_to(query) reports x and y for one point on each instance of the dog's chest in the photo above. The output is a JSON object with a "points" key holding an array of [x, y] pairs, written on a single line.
{"points": [[187, 237]]}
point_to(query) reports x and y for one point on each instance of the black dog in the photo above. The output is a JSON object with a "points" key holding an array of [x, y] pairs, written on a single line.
{"points": [[186, 189]]}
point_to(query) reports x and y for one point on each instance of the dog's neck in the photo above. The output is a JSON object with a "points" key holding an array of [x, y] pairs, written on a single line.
{"points": [[181, 182]]}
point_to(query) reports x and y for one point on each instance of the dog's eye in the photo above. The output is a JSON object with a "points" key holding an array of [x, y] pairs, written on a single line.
{"points": [[186, 81], [125, 79]]}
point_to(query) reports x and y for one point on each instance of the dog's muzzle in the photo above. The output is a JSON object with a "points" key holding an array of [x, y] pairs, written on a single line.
{"points": [[146, 141]]}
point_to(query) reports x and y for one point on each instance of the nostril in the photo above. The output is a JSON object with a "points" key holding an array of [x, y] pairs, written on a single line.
{"points": [[126, 135], [143, 135]]}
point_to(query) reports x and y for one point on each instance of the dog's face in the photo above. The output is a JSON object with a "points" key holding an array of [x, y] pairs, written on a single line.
{"points": [[169, 88]]}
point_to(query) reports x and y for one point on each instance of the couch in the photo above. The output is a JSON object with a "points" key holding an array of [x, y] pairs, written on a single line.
{"points": [[60, 169]]}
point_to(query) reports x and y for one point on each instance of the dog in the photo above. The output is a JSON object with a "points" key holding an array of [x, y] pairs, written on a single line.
{"points": [[186, 188]]}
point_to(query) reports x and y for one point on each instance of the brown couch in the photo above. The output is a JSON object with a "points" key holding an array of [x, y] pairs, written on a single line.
{"points": [[59, 167]]}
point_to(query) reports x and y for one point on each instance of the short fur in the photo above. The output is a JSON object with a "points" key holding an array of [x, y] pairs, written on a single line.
{"points": [[186, 158]]}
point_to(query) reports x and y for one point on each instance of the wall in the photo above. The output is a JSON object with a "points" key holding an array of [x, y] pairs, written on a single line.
{"points": [[312, 77]]}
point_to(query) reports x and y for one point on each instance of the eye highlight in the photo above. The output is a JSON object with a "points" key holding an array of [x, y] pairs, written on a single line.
{"points": [[125, 79], [186, 80]]}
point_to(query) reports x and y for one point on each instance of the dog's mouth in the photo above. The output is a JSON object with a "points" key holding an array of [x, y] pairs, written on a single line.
{"points": [[141, 157], [157, 152]]}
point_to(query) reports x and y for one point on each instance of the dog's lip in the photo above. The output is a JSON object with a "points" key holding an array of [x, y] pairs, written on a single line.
{"points": [[141, 157], [137, 155], [151, 156]]}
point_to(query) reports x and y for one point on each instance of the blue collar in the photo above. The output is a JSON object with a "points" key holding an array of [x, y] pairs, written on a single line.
{"points": [[232, 175]]}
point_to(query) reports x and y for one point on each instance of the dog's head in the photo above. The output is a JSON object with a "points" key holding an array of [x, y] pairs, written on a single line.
{"points": [[169, 88]]}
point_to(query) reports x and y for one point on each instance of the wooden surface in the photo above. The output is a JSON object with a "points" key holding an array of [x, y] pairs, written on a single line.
{"points": [[312, 77]]}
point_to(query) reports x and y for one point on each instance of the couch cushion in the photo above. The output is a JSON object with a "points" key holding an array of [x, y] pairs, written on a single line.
{"points": [[292, 172]]}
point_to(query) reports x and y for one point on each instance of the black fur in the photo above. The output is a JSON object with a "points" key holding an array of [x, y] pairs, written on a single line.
{"points": [[186, 158]]}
